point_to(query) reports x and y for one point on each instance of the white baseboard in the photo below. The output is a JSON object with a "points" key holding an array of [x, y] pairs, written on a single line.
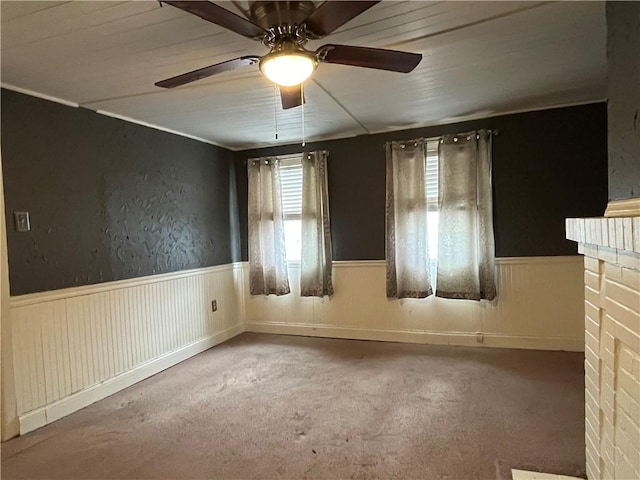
{"points": [[422, 337], [49, 413]]}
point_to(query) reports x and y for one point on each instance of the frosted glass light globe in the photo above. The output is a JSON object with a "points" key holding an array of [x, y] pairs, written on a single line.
{"points": [[288, 69]]}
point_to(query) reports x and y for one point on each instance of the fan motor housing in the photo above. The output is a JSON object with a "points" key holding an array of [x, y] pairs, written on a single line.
{"points": [[270, 15]]}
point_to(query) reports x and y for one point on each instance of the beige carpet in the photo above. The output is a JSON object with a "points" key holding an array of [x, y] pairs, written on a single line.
{"points": [[267, 406]]}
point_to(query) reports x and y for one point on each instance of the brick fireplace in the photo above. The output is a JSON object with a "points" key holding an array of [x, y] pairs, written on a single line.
{"points": [[611, 249]]}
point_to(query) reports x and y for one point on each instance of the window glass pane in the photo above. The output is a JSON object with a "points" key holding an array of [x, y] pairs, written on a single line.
{"points": [[431, 174], [431, 190], [291, 184], [432, 228]]}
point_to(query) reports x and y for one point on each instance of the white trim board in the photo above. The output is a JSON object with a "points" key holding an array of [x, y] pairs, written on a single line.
{"points": [[498, 261], [527, 475], [67, 405], [421, 336], [43, 96], [629, 207], [158, 127], [124, 118], [40, 297]]}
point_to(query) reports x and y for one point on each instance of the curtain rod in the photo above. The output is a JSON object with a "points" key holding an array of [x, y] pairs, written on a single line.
{"points": [[493, 133]]}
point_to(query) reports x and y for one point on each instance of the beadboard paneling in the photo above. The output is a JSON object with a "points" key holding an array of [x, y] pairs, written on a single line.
{"points": [[539, 305], [67, 342], [75, 346]]}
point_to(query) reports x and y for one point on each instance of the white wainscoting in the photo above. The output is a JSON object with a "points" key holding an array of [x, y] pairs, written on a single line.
{"points": [[540, 305], [75, 346]]}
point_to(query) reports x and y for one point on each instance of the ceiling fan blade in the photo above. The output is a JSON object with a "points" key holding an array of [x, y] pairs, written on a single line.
{"points": [[291, 96], [330, 16], [220, 16], [207, 72], [382, 59]]}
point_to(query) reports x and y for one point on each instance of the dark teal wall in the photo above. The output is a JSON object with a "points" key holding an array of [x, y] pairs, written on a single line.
{"points": [[547, 166], [108, 199]]}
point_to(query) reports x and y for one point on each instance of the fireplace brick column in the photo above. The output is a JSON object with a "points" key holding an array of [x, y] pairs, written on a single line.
{"points": [[611, 249]]}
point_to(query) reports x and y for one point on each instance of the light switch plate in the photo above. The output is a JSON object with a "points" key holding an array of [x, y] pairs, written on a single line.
{"points": [[21, 220]]}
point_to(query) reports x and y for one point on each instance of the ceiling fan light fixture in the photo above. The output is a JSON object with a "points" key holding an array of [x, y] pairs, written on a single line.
{"points": [[288, 69]]}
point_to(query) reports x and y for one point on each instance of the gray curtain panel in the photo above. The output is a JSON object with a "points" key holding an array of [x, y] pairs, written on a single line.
{"points": [[465, 238], [407, 252], [317, 257], [267, 253]]}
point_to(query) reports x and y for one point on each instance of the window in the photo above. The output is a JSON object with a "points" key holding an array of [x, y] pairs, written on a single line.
{"points": [[431, 191], [291, 184], [439, 217]]}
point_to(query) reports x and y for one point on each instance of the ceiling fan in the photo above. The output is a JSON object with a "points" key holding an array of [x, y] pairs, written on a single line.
{"points": [[284, 27]]}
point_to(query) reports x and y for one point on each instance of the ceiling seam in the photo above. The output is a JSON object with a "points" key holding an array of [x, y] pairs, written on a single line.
{"points": [[38, 11], [353, 117], [374, 21], [87, 28], [467, 25]]}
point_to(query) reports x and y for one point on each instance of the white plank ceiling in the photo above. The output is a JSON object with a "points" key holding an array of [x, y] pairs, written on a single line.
{"points": [[480, 59]]}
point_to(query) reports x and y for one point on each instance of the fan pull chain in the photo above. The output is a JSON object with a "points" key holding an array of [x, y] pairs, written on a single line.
{"points": [[275, 108], [302, 102]]}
